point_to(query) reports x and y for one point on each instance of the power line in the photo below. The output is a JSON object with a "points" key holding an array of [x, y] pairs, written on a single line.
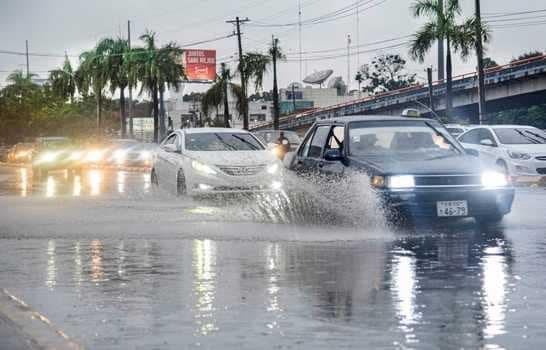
{"points": [[508, 14], [332, 57], [355, 46]]}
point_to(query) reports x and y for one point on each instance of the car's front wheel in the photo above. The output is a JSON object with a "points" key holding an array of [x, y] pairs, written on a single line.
{"points": [[181, 189]]}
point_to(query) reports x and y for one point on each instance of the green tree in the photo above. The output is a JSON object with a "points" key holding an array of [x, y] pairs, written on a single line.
{"points": [[386, 73], [63, 81], [488, 62], [219, 94], [254, 65], [527, 55], [276, 54], [443, 25]]}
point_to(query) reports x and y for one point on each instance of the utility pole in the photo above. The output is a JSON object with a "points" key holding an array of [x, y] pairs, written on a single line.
{"points": [[274, 54], [441, 54], [130, 87], [237, 23], [430, 92], [300, 43], [294, 97], [348, 62], [26, 54], [481, 70], [357, 36]]}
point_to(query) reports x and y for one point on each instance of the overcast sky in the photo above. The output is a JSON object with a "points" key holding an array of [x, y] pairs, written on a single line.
{"points": [[56, 26]]}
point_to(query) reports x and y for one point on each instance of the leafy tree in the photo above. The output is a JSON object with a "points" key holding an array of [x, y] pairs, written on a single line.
{"points": [[527, 55], [385, 73], [219, 94], [488, 62], [63, 81], [443, 25], [254, 65]]}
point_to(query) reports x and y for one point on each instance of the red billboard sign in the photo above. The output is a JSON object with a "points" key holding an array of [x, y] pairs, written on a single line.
{"points": [[200, 64]]}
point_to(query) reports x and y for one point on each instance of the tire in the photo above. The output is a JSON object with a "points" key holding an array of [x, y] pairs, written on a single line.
{"points": [[153, 178], [181, 189]]}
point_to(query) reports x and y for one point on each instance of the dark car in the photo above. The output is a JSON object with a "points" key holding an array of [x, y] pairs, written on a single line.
{"points": [[414, 165]]}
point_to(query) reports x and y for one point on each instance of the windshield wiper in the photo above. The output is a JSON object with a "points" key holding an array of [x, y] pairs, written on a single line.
{"points": [[527, 136], [245, 141], [439, 133], [225, 143], [535, 135]]}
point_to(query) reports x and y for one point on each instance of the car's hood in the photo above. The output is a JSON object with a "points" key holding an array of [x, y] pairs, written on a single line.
{"points": [[532, 149], [234, 158], [457, 164]]}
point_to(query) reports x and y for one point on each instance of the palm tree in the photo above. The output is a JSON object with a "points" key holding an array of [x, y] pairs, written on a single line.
{"points": [[219, 93], [116, 51], [93, 74], [171, 73], [63, 81], [276, 54], [153, 68], [20, 85], [442, 25], [254, 65]]}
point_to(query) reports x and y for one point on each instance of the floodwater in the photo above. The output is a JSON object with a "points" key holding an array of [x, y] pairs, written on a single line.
{"points": [[138, 269]]}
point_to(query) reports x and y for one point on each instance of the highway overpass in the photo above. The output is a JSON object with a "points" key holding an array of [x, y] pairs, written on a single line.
{"points": [[518, 84]]}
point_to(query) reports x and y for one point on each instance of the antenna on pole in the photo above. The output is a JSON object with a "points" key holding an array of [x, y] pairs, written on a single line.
{"points": [[357, 35], [300, 43], [348, 62], [26, 54]]}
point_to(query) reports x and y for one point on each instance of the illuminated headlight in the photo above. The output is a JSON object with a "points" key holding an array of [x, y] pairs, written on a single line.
{"points": [[519, 155], [378, 181], [94, 156], [77, 155], [48, 157], [401, 181], [494, 179], [276, 185], [203, 168], [273, 168], [120, 155], [205, 187], [146, 155], [22, 154]]}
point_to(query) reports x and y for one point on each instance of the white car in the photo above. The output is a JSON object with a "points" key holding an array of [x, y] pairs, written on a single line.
{"points": [[457, 129], [204, 161], [517, 149]]}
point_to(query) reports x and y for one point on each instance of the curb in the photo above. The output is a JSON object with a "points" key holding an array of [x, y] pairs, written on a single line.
{"points": [[33, 328]]}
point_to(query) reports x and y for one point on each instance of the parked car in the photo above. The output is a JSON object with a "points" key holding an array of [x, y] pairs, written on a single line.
{"points": [[517, 150], [457, 129], [215, 160], [416, 168], [21, 152]]}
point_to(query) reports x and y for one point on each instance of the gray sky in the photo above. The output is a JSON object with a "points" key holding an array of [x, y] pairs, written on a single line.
{"points": [[53, 26]]}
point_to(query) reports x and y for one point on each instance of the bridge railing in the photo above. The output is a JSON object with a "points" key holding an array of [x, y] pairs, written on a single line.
{"points": [[494, 71]]}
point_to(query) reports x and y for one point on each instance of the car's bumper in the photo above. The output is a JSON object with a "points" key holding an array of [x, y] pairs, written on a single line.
{"points": [[198, 184], [424, 202]]}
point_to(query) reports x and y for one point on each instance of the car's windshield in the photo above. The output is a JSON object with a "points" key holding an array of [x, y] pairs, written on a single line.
{"points": [[455, 131], [222, 142], [273, 136], [415, 140], [54, 143], [520, 136]]}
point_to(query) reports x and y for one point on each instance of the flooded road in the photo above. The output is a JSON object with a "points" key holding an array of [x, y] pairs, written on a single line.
{"points": [[119, 265]]}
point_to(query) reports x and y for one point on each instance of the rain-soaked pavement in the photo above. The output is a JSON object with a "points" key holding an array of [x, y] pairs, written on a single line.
{"points": [[118, 264]]}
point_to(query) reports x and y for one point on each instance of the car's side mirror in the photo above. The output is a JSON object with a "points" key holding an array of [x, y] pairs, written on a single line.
{"points": [[288, 159], [472, 152], [333, 155], [171, 148], [487, 142]]}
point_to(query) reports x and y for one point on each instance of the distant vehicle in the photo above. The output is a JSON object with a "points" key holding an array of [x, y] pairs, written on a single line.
{"points": [[54, 153], [129, 153], [457, 129], [215, 160], [271, 139], [517, 149], [415, 166], [21, 152]]}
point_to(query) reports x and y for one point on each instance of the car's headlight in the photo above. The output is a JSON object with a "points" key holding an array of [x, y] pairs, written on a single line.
{"points": [[494, 179], [378, 181], [23, 154], [119, 155], [519, 155], [48, 157], [147, 155], [401, 181], [76, 155], [94, 156], [273, 168], [203, 168]]}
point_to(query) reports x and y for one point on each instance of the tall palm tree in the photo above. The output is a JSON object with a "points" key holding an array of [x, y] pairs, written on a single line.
{"points": [[63, 81], [116, 51], [443, 25], [154, 67], [276, 54], [171, 73], [254, 65], [92, 74], [219, 94], [20, 85]]}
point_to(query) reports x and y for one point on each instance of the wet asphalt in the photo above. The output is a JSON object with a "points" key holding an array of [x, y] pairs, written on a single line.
{"points": [[118, 264]]}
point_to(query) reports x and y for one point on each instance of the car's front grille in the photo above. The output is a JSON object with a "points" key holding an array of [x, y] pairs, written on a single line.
{"points": [[541, 171], [543, 158], [447, 180], [242, 170]]}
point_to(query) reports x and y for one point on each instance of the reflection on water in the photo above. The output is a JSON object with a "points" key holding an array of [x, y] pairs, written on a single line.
{"points": [[23, 183], [121, 181], [77, 186], [78, 266], [494, 291], [51, 275], [204, 285], [50, 187], [97, 271], [95, 181]]}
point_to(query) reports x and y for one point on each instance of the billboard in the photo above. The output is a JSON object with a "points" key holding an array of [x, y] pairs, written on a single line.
{"points": [[200, 64]]}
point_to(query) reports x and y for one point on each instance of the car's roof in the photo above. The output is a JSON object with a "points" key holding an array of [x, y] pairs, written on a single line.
{"points": [[272, 130], [210, 130], [358, 118]]}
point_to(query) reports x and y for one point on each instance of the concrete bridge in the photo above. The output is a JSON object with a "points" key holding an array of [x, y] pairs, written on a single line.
{"points": [[518, 84]]}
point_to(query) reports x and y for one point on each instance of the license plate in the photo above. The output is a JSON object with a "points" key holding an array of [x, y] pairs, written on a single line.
{"points": [[452, 208]]}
